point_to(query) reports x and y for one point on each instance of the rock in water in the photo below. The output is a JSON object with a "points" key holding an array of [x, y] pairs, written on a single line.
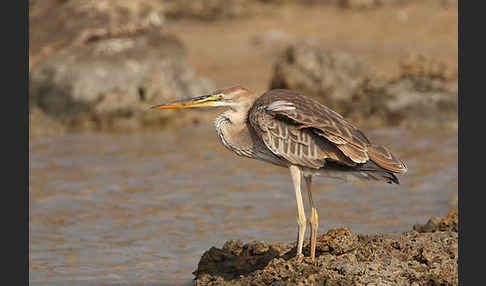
{"points": [[327, 76], [114, 78], [426, 90]]}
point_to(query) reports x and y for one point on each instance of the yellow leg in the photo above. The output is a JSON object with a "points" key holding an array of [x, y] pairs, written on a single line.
{"points": [[296, 177], [313, 219]]}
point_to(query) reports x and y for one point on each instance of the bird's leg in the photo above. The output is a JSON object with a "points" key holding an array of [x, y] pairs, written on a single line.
{"points": [[313, 219], [296, 177]]}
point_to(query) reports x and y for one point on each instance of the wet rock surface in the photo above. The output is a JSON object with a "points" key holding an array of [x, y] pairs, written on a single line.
{"points": [[114, 79], [342, 258], [425, 89]]}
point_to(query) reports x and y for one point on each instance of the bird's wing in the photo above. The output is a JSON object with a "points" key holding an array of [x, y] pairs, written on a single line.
{"points": [[284, 118], [281, 121], [309, 114]]}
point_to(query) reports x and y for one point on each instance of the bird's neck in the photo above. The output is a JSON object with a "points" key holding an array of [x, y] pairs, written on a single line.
{"points": [[233, 131]]}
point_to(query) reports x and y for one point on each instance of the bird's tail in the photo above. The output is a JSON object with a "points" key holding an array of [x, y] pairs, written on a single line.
{"points": [[382, 165], [386, 160]]}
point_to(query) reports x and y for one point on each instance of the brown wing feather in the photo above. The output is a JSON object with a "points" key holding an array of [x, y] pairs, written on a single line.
{"points": [[310, 125], [385, 159], [296, 145], [326, 123]]}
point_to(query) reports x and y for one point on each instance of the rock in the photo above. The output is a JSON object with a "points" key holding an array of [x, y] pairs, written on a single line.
{"points": [[316, 72], [447, 223], [56, 25], [236, 259], [338, 241], [450, 222], [411, 258], [430, 226], [358, 4], [425, 91], [210, 9], [114, 78], [366, 4], [414, 96], [41, 124], [418, 65]]}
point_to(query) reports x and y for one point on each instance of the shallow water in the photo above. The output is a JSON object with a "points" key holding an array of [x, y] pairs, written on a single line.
{"points": [[143, 207]]}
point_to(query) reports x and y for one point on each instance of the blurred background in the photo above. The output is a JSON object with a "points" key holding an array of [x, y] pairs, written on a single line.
{"points": [[123, 194]]}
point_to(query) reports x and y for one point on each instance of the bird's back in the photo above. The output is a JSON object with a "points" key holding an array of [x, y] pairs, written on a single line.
{"points": [[306, 133]]}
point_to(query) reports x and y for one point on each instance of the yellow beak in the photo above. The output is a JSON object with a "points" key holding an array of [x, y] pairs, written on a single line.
{"points": [[200, 101]]}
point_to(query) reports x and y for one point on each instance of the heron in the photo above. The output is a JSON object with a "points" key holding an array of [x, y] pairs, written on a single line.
{"points": [[285, 128]]}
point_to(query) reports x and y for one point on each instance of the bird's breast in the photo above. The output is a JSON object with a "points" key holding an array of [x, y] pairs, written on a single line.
{"points": [[239, 139], [232, 136]]}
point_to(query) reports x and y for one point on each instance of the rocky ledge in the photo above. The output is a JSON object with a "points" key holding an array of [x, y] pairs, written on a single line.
{"points": [[111, 83], [425, 90], [425, 255]]}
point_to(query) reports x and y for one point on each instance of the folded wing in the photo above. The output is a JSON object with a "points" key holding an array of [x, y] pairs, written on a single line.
{"points": [[307, 133]]}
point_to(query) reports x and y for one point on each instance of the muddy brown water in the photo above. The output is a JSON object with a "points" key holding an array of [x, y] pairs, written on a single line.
{"points": [[143, 207]]}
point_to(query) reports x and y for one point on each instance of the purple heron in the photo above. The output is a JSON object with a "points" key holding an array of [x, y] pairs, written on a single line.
{"points": [[287, 129]]}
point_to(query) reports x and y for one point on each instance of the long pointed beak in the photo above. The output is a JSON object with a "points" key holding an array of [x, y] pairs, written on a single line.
{"points": [[200, 101]]}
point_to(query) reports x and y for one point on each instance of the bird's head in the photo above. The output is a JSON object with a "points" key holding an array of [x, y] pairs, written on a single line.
{"points": [[235, 97]]}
